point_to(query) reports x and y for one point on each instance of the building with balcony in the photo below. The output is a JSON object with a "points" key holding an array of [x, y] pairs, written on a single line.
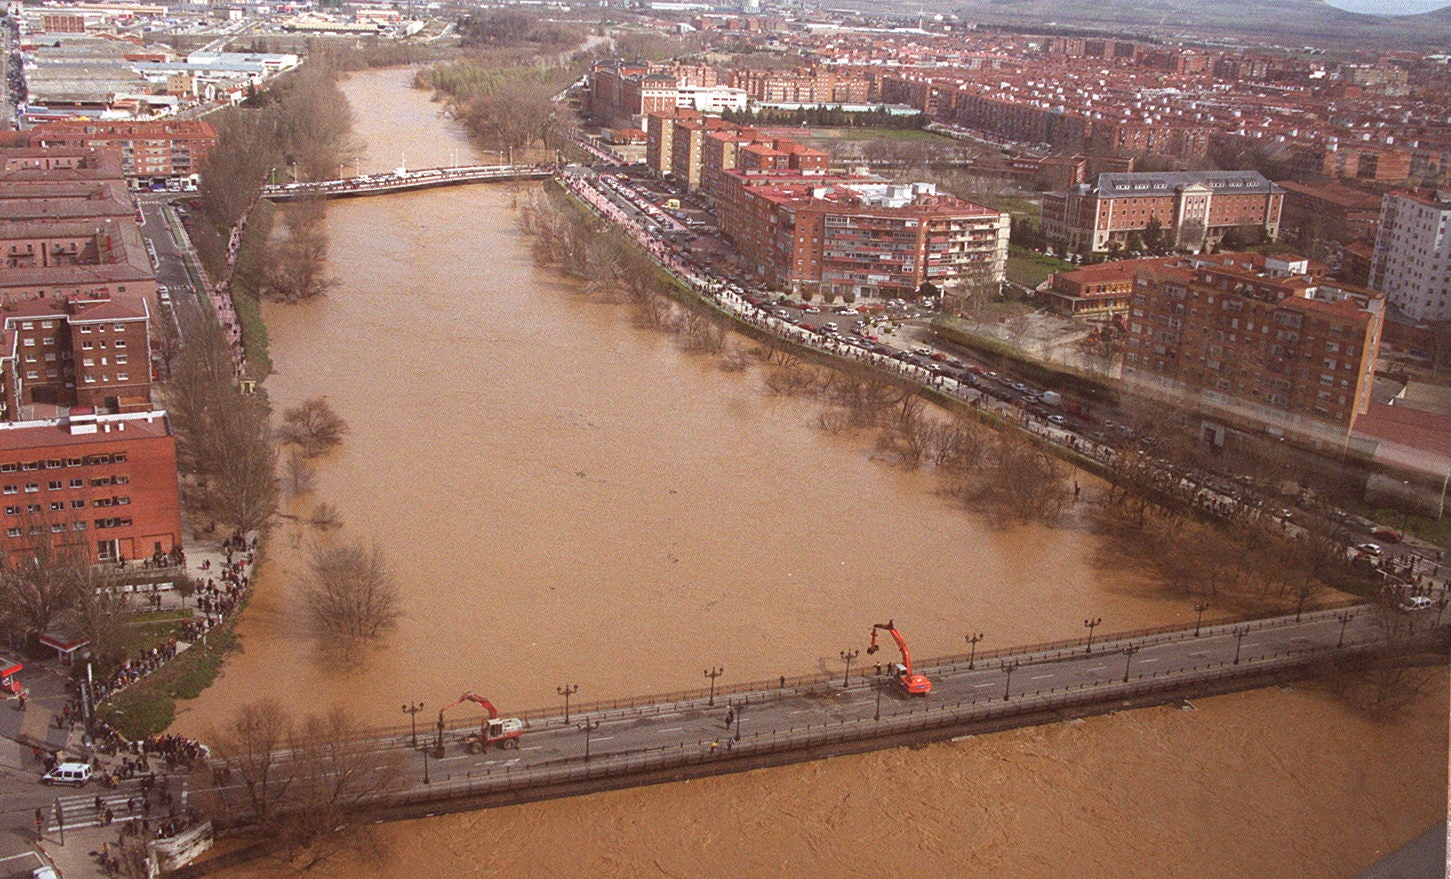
{"points": [[1412, 262], [151, 152], [1255, 342], [864, 239]]}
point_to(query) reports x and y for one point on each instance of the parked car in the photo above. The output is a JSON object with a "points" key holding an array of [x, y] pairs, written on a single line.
{"points": [[76, 774], [1371, 549], [1388, 534], [1413, 603]]}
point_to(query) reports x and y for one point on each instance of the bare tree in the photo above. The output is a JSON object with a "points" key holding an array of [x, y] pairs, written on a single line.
{"points": [[41, 581], [340, 771], [300, 475], [242, 491], [313, 426], [351, 594], [249, 749]]}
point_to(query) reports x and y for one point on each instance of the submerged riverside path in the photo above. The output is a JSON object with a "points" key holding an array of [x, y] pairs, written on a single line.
{"points": [[654, 739]]}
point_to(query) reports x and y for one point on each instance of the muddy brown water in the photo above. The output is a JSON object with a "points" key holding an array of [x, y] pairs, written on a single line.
{"points": [[567, 498]]}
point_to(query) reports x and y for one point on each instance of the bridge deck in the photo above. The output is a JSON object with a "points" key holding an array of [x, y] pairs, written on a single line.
{"points": [[404, 181]]}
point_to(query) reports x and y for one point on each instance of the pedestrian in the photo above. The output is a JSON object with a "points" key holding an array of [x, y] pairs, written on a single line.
{"points": [[100, 804], [39, 821], [109, 817]]}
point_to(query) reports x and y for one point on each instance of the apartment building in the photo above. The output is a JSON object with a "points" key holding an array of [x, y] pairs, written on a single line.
{"points": [[83, 352], [151, 152], [106, 483], [1192, 209], [1256, 341], [1412, 262], [866, 239]]}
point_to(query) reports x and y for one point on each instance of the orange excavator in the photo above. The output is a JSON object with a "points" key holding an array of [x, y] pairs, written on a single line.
{"points": [[916, 684], [504, 733]]}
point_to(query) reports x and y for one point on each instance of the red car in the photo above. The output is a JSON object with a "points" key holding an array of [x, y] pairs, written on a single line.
{"points": [[1389, 535]]}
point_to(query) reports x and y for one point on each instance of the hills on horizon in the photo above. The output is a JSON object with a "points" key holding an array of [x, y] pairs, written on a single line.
{"points": [[1249, 19]]}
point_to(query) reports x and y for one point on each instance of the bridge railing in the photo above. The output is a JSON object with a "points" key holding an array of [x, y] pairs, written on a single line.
{"points": [[983, 709], [792, 685]]}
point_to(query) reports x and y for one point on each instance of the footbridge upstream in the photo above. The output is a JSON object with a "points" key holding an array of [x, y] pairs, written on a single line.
{"points": [[664, 738], [404, 181]]}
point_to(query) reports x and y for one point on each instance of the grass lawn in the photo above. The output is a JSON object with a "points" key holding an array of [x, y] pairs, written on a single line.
{"points": [[898, 134], [1031, 269], [244, 298], [1019, 207]]}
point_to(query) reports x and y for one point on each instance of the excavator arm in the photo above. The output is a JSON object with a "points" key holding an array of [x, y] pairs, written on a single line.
{"points": [[466, 697], [914, 683]]}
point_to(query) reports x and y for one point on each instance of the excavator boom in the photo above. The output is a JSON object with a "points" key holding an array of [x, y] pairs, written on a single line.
{"points": [[914, 683]]}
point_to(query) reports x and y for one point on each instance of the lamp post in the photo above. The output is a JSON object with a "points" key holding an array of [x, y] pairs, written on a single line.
{"points": [[86, 693], [1008, 669], [878, 684], [713, 672], [566, 691], [1129, 652], [739, 712], [412, 709], [1345, 619], [972, 654], [425, 767], [1239, 641], [848, 655], [1091, 625], [1199, 609], [588, 726]]}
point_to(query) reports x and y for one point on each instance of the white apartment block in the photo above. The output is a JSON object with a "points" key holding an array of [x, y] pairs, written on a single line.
{"points": [[1412, 264]]}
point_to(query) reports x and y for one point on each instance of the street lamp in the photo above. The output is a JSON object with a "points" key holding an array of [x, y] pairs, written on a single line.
{"points": [[739, 712], [972, 655], [588, 726], [425, 767], [848, 655], [1199, 609], [713, 673], [1091, 625], [1129, 652], [566, 691], [412, 709], [1345, 619], [1239, 641], [878, 684], [87, 694], [1009, 668]]}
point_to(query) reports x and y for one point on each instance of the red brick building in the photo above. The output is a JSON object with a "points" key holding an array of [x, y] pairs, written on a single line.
{"points": [[151, 152], [87, 352], [106, 483], [1192, 209], [1256, 341], [862, 239]]}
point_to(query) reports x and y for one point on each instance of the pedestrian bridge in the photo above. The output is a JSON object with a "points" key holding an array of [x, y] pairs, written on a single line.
{"points": [[403, 180]]}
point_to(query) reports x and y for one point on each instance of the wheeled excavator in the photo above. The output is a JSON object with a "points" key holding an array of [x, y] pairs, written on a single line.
{"points": [[503, 733], [914, 683]]}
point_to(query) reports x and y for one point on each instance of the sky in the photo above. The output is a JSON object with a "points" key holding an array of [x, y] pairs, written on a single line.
{"points": [[1389, 7]]}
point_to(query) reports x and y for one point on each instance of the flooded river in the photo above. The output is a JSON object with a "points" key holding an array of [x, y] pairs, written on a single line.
{"points": [[568, 499]]}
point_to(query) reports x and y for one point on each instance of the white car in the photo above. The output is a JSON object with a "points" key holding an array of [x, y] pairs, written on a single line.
{"points": [[1413, 603], [1371, 549]]}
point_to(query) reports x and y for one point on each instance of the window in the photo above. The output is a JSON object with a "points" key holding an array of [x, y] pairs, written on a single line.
{"points": [[11, 489], [32, 486], [54, 485], [57, 506], [84, 331], [57, 527], [12, 510], [13, 532], [78, 526], [119, 343], [78, 504], [123, 376], [32, 509], [77, 483]]}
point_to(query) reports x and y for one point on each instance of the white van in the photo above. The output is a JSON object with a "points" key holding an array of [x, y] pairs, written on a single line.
{"points": [[68, 773]]}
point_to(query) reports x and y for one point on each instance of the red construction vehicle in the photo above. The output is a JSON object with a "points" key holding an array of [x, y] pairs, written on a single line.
{"points": [[913, 683], [505, 733]]}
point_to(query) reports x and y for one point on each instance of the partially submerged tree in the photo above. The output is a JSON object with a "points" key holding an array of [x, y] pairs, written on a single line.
{"points": [[313, 426], [350, 593]]}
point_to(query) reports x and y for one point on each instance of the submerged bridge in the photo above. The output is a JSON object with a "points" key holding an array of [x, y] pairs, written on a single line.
{"points": [[732, 728], [404, 181]]}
